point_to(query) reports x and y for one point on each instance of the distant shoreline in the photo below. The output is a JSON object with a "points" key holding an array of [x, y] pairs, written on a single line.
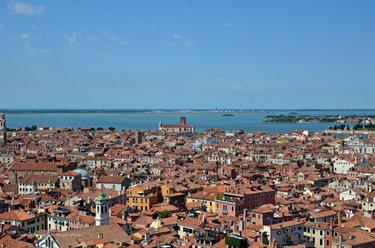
{"points": [[155, 111]]}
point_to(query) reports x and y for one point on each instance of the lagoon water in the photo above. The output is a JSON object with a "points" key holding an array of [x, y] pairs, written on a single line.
{"points": [[146, 120]]}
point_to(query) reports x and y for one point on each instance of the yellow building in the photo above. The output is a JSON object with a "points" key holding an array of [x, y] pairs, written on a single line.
{"points": [[142, 197], [206, 199]]}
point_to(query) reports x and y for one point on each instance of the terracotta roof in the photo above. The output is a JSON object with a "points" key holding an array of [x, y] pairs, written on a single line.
{"points": [[7, 242], [34, 166], [70, 174], [323, 214], [15, 215], [112, 232], [191, 222], [111, 179]]}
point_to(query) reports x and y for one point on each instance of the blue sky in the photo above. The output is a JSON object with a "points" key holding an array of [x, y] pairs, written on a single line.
{"points": [[187, 54]]}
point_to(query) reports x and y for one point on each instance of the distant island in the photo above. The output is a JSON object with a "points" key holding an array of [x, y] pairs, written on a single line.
{"points": [[309, 118], [226, 115]]}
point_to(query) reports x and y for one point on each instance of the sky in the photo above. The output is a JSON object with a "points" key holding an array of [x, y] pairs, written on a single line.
{"points": [[187, 54]]}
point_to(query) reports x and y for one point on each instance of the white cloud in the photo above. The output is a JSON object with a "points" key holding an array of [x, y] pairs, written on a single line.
{"points": [[24, 36], [189, 43], [21, 8], [229, 24], [124, 42], [93, 37], [239, 87], [71, 38], [101, 37], [177, 40]]}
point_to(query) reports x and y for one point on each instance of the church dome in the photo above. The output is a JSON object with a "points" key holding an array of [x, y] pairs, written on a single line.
{"points": [[84, 174]]}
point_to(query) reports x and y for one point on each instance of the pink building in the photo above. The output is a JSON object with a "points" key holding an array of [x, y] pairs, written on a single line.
{"points": [[234, 201]]}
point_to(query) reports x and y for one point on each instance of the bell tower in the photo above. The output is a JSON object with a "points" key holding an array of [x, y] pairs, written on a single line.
{"points": [[3, 136], [101, 210]]}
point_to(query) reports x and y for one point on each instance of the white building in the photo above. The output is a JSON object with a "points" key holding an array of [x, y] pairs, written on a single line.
{"points": [[285, 233], [117, 183], [342, 166], [348, 195]]}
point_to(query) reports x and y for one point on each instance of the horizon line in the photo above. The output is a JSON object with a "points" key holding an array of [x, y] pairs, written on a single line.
{"points": [[184, 109]]}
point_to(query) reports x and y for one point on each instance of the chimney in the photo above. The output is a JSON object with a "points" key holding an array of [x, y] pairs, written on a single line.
{"points": [[244, 218], [331, 224], [100, 235], [241, 227]]}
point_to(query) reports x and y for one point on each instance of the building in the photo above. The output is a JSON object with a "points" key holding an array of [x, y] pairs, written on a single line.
{"points": [[263, 215], [101, 210], [118, 183], [323, 216], [86, 179], [189, 226], [206, 199], [172, 196], [6, 159], [234, 201], [21, 169], [342, 166], [283, 234], [28, 222], [138, 137], [96, 236], [57, 221], [34, 184], [346, 237], [3, 134], [142, 197], [180, 128], [71, 181], [316, 234]]}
